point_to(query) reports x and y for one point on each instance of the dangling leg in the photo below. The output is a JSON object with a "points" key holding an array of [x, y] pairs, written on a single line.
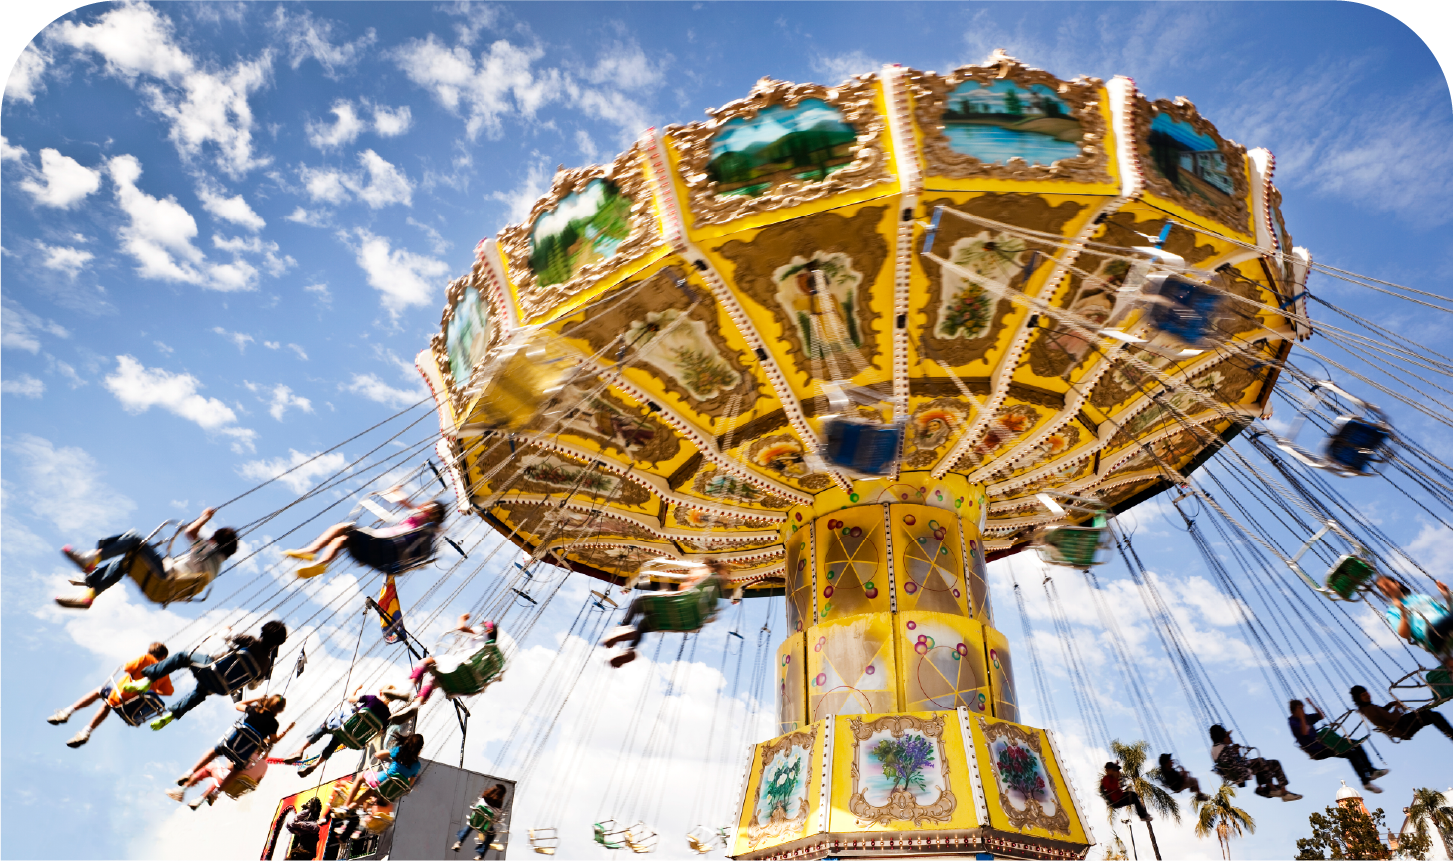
{"points": [[64, 714], [330, 552], [84, 735], [328, 535]]}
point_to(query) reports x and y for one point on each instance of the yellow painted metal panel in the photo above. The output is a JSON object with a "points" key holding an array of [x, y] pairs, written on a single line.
{"points": [[791, 683], [882, 781], [783, 791], [942, 657], [1024, 783], [851, 667]]}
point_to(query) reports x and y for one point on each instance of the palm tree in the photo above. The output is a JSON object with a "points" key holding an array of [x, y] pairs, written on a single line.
{"points": [[1218, 814], [1429, 806], [1132, 760]]}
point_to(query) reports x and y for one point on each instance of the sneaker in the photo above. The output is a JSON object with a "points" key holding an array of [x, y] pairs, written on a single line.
{"points": [[617, 634], [77, 581], [458, 844], [312, 570], [1380, 772], [182, 781], [60, 717], [197, 802], [162, 721], [1372, 787], [299, 554], [129, 685], [83, 559], [79, 738], [1288, 795], [177, 794], [623, 658], [82, 602], [307, 770], [1264, 792]]}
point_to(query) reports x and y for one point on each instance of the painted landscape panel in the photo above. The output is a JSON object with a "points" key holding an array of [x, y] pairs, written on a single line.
{"points": [[585, 227], [805, 142], [1190, 160], [999, 121], [467, 336]]}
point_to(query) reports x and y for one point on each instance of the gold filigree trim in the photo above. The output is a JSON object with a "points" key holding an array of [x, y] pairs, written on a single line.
{"points": [[1233, 214], [902, 806], [853, 98], [1033, 815], [778, 825], [629, 178], [439, 341], [930, 97]]}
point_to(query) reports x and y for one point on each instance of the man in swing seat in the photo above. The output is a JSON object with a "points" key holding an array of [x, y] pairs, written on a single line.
{"points": [[1112, 789], [1233, 766], [113, 557], [638, 621], [1395, 720], [1317, 746], [1419, 619]]}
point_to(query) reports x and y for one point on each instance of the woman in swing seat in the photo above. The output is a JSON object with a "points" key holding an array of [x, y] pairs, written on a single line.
{"points": [[1419, 619], [425, 689], [489, 804], [1234, 767], [255, 731], [357, 702], [211, 673], [106, 565], [1304, 730], [386, 548], [402, 762], [1394, 718]]}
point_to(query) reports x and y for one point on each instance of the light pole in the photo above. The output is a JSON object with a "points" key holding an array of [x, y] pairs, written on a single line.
{"points": [[1133, 850]]}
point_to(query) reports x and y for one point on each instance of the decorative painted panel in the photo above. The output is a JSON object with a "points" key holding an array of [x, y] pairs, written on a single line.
{"points": [[791, 683], [928, 560], [852, 563], [943, 662], [850, 667]]}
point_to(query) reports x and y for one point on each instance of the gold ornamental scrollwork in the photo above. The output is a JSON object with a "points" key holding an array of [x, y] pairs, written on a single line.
{"points": [[930, 98], [629, 178], [1033, 815], [854, 99], [1234, 214], [777, 824], [902, 805]]}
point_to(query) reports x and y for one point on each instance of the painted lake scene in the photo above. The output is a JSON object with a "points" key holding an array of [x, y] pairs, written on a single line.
{"points": [[1190, 160], [586, 227], [1002, 120], [808, 141]]}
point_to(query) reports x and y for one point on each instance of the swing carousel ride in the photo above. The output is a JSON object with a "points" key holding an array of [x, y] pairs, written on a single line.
{"points": [[845, 346]]}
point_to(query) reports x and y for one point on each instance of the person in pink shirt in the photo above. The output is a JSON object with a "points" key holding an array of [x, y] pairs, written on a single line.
{"points": [[389, 549]]}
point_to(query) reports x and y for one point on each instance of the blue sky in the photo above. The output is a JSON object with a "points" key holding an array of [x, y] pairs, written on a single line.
{"points": [[227, 229]]}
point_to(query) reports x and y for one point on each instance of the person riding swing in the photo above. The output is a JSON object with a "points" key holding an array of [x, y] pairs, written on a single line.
{"points": [[247, 662], [113, 557], [253, 734], [114, 698], [1326, 744], [355, 723], [1394, 720], [1233, 766], [640, 618], [390, 549]]}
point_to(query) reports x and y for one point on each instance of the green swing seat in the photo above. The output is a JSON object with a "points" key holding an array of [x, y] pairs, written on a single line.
{"points": [[359, 730], [471, 669], [1335, 742], [482, 817], [394, 788], [1350, 575], [688, 610], [609, 835], [1075, 546], [1440, 682]]}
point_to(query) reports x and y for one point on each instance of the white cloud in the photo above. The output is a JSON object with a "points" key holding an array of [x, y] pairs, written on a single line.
{"points": [[65, 370], [384, 184], [274, 263], [403, 277], [391, 122], [375, 389], [343, 130], [320, 290], [61, 181], [239, 340], [63, 486], [139, 388], [586, 145], [501, 82], [310, 38], [233, 209], [519, 200], [162, 346], [302, 354], [436, 239], [280, 398], [18, 327], [839, 67], [159, 236], [11, 153], [24, 79], [307, 218], [64, 258], [303, 478], [24, 385], [205, 105]]}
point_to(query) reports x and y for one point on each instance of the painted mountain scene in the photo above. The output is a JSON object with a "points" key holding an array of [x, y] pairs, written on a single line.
{"points": [[586, 227], [805, 142], [1002, 120]]}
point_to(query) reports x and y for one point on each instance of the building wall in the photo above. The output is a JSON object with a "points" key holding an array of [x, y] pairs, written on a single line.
{"points": [[433, 812]]}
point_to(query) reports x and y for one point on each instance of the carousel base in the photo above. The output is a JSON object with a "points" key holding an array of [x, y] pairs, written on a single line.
{"points": [[909, 784]]}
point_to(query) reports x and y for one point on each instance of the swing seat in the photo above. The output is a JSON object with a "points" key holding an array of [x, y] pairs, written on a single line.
{"points": [[377, 822], [156, 585], [1423, 689], [1075, 546], [247, 779], [641, 839], [242, 744], [229, 673], [139, 709], [470, 667], [703, 840], [527, 372], [1349, 576], [361, 728], [609, 835], [482, 817], [544, 840], [1335, 742], [394, 788], [862, 446], [1184, 309], [1356, 444], [688, 610]]}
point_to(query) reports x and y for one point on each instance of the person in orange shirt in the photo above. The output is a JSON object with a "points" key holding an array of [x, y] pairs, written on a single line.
{"points": [[111, 697]]}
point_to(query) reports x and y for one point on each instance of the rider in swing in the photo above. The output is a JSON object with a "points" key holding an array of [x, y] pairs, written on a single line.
{"points": [[637, 622], [385, 548]]}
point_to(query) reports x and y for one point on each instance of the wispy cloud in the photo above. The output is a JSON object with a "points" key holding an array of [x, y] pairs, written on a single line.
{"points": [[305, 473], [404, 279], [140, 388]]}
